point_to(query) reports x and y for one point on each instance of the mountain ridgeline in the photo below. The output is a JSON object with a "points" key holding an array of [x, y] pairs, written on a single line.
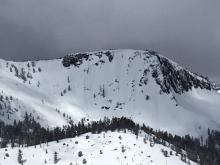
{"points": [[172, 77]]}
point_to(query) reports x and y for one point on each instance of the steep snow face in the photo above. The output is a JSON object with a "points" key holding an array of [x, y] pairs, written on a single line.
{"points": [[97, 149], [142, 85]]}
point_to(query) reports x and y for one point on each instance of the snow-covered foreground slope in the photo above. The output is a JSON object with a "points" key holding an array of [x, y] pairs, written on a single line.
{"points": [[139, 84], [106, 148]]}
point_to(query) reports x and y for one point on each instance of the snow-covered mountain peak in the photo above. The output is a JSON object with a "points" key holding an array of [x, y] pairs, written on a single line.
{"points": [[168, 74], [142, 85]]}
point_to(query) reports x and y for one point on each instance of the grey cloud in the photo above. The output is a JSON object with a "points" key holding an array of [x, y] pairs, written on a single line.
{"points": [[185, 31]]}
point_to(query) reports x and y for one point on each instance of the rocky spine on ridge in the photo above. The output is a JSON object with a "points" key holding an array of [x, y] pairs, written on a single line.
{"points": [[179, 80]]}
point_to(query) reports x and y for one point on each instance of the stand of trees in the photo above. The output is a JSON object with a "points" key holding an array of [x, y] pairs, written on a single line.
{"points": [[29, 133]]}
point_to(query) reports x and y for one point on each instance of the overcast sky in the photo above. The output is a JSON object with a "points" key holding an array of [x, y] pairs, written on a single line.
{"points": [[187, 31]]}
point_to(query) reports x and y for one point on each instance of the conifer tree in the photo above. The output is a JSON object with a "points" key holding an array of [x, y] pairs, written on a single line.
{"points": [[20, 161], [55, 158]]}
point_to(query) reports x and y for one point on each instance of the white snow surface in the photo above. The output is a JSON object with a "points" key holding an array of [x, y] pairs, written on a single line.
{"points": [[191, 113], [110, 148]]}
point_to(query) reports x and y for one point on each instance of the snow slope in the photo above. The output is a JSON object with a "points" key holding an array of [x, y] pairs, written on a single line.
{"points": [[106, 148], [143, 85]]}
